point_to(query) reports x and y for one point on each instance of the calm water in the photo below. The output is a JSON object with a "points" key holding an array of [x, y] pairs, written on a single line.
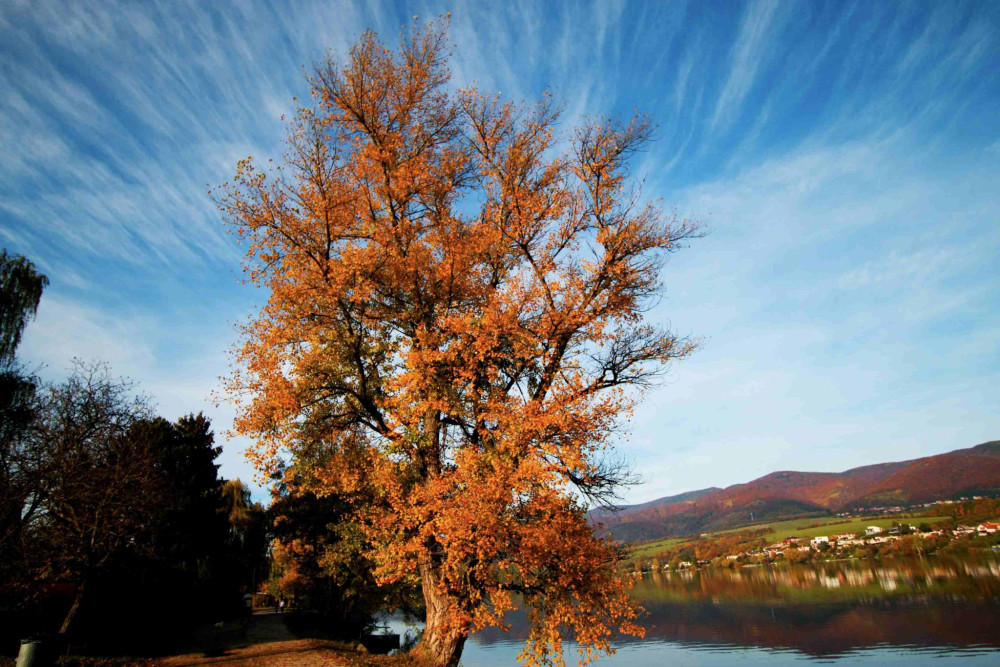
{"points": [[922, 612]]}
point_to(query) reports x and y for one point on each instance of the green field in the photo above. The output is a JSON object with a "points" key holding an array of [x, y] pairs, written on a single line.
{"points": [[795, 528], [654, 548], [798, 527]]}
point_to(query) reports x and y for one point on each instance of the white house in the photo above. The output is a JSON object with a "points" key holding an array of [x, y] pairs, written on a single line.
{"points": [[872, 530], [816, 541]]}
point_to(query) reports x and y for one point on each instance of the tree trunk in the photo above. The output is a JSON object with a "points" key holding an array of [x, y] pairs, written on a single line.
{"points": [[75, 607], [440, 646]]}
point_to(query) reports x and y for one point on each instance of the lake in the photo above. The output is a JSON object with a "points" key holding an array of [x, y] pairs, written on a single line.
{"points": [[921, 611]]}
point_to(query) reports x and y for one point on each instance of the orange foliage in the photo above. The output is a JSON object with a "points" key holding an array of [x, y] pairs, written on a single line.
{"points": [[980, 509], [455, 312]]}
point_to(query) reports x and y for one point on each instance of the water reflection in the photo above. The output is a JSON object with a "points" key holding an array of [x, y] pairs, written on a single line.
{"points": [[829, 581], [917, 611]]}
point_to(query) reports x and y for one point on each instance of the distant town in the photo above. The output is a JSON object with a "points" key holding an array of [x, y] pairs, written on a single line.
{"points": [[968, 524]]}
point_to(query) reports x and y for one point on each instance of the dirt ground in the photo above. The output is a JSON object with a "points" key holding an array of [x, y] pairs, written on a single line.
{"points": [[265, 642]]}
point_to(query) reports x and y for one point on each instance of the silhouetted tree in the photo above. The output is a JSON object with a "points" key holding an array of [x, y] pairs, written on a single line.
{"points": [[21, 287], [97, 491], [99, 486], [189, 527], [205, 541]]}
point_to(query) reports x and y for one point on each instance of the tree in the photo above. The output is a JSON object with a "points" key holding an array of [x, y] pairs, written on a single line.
{"points": [[21, 287], [455, 314], [247, 545], [321, 558], [177, 570], [189, 528], [99, 486]]}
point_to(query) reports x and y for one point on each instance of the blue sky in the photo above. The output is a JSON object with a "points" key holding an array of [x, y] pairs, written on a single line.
{"points": [[846, 158]]}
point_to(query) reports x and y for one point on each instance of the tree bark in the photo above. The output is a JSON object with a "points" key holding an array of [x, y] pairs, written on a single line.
{"points": [[440, 645], [75, 607]]}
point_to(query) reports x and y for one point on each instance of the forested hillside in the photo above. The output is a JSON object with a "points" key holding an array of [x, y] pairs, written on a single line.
{"points": [[788, 494]]}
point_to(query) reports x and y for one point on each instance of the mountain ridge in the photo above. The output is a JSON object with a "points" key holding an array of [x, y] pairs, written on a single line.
{"points": [[790, 493]]}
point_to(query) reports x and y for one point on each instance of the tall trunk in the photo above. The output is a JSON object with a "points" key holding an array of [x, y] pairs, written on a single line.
{"points": [[440, 646], [75, 607]]}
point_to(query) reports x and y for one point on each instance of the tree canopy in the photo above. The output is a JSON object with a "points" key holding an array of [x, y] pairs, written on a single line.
{"points": [[456, 313], [21, 288]]}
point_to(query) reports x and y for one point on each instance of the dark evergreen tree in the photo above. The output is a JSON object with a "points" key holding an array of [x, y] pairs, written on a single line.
{"points": [[190, 528]]}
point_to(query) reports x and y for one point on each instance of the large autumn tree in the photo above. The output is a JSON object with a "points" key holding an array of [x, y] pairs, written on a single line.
{"points": [[456, 315]]}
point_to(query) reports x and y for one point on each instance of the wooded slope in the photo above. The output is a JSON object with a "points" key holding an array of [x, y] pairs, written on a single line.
{"points": [[787, 494]]}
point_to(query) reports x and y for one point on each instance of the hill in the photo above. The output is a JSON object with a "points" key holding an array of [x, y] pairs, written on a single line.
{"points": [[791, 494], [668, 500]]}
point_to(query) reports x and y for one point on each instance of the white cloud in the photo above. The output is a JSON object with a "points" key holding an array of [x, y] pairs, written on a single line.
{"points": [[901, 269], [749, 54], [65, 330], [135, 347], [827, 292]]}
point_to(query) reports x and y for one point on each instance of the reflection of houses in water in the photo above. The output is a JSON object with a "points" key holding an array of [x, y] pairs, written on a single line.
{"points": [[913, 579], [858, 578], [981, 570], [849, 605], [826, 581], [942, 572], [889, 578]]}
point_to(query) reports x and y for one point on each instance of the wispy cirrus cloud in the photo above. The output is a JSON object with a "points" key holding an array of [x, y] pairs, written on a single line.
{"points": [[848, 310], [754, 45], [844, 155]]}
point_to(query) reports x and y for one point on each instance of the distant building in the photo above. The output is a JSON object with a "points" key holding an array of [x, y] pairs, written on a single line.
{"points": [[872, 530], [816, 541], [988, 528]]}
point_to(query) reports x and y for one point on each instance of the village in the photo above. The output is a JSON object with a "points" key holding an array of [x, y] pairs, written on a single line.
{"points": [[873, 535], [900, 539]]}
